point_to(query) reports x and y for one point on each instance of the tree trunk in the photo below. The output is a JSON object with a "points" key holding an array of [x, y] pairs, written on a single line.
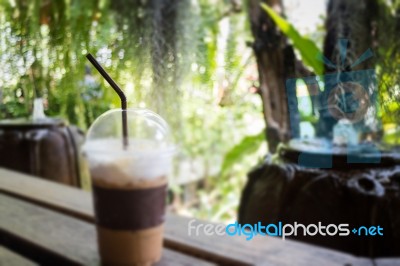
{"points": [[355, 22], [276, 62]]}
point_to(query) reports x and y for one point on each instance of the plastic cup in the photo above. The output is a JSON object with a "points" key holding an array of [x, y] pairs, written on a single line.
{"points": [[129, 185]]}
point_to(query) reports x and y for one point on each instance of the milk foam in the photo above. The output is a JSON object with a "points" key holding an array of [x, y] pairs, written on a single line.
{"points": [[143, 160]]}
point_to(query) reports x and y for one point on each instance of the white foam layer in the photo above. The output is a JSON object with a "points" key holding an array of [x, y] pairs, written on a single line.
{"points": [[143, 160]]}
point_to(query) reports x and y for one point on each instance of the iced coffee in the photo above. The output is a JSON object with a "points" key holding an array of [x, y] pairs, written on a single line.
{"points": [[129, 187]]}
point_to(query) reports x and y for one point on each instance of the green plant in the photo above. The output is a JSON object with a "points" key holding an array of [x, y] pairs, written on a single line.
{"points": [[309, 51], [247, 146]]}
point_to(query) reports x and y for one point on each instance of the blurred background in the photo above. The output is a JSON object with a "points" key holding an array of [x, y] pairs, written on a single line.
{"points": [[194, 63], [186, 60]]}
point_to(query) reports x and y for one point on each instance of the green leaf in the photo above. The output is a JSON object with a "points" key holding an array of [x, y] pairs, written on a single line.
{"points": [[247, 146], [309, 51], [392, 138]]}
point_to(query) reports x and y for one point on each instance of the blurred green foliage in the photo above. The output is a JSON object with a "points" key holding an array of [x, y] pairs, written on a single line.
{"points": [[248, 145], [388, 58], [309, 51], [186, 60]]}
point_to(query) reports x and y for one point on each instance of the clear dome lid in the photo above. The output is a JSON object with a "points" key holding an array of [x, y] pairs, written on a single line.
{"points": [[148, 152], [142, 124]]}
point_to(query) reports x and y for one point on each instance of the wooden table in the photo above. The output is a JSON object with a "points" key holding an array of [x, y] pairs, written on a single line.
{"points": [[42, 222]]}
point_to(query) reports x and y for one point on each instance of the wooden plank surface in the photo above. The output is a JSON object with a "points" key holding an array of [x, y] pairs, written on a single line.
{"points": [[387, 262], [220, 249], [78, 203], [65, 199], [9, 258], [56, 239]]}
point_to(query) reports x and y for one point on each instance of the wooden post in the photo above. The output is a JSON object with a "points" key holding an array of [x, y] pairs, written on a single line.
{"points": [[276, 63]]}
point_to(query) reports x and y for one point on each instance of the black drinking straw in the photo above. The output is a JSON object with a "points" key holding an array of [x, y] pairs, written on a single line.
{"points": [[120, 93]]}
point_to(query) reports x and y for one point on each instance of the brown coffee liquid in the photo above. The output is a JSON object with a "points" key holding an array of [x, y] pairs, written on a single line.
{"points": [[130, 222]]}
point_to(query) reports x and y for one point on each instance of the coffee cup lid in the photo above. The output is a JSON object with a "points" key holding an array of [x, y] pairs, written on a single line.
{"points": [[147, 131]]}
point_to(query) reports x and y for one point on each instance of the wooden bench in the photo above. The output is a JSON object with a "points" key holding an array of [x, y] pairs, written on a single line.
{"points": [[9, 258], [51, 223]]}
